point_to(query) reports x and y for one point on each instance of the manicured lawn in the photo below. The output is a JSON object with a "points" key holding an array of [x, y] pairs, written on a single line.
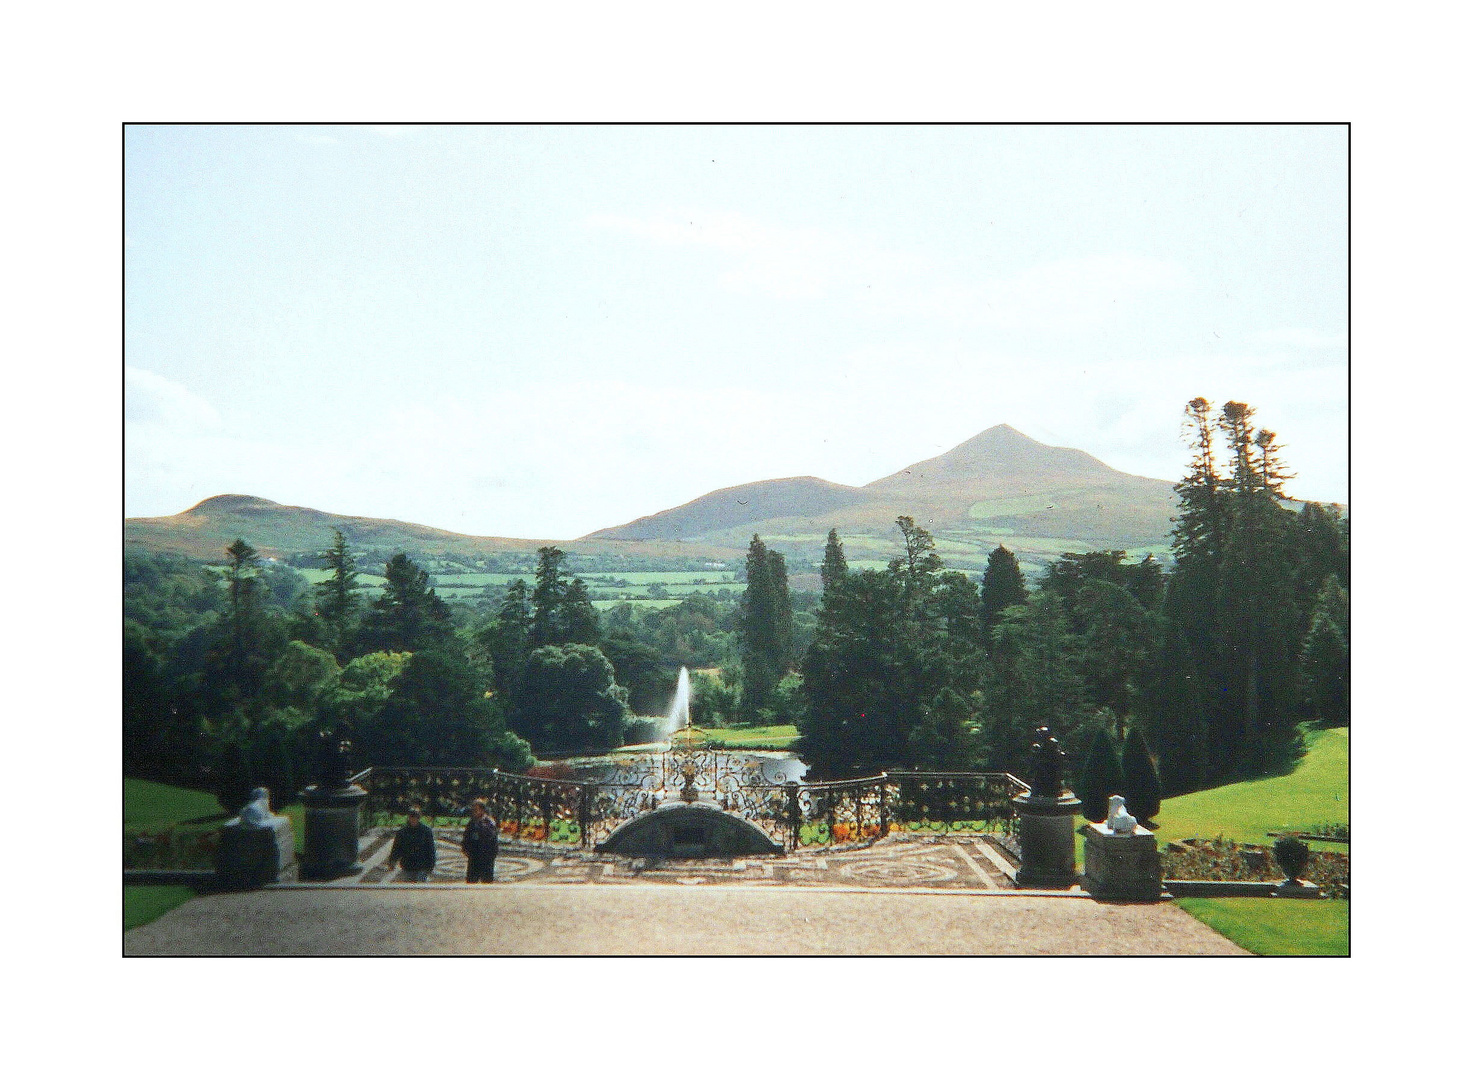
{"points": [[1317, 791], [145, 903], [1277, 927], [772, 737], [148, 803]]}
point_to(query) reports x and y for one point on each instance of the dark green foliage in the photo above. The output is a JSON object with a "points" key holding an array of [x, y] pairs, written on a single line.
{"points": [[835, 567], [337, 597], [570, 701], [562, 614], [1325, 658], [1142, 789], [1292, 855], [642, 671], [408, 616], [764, 628], [1100, 778], [1003, 586], [884, 683], [1227, 688], [437, 713], [713, 703]]}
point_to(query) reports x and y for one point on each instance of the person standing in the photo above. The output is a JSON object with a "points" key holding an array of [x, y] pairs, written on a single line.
{"points": [[479, 845], [414, 848]]}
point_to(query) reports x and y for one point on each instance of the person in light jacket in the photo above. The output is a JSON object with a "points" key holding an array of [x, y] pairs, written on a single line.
{"points": [[479, 845]]}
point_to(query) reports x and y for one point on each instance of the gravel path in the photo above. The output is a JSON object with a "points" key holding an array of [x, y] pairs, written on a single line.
{"points": [[657, 919]]}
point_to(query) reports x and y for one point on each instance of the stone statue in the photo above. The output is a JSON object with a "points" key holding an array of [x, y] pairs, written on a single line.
{"points": [[1119, 820], [258, 810], [333, 769], [1048, 766]]}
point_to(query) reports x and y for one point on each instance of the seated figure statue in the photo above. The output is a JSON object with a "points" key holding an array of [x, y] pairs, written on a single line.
{"points": [[1119, 820], [258, 810]]}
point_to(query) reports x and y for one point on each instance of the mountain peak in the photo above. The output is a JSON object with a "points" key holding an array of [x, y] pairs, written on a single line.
{"points": [[229, 503], [1001, 450]]}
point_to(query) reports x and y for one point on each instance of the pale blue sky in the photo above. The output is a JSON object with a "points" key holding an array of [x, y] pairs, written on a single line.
{"points": [[541, 331]]}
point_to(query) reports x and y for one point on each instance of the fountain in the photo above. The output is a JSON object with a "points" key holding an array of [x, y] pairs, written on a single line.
{"points": [[687, 822], [679, 715]]}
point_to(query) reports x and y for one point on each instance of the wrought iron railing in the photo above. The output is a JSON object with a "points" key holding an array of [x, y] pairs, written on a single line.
{"points": [[955, 801], [584, 813]]}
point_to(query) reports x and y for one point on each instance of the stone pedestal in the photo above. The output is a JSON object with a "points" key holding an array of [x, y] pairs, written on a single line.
{"points": [[1122, 866], [1046, 836], [331, 832], [250, 856]]}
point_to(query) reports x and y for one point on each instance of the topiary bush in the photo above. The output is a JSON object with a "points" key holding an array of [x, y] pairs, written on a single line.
{"points": [[1292, 855], [1142, 781], [1100, 778]]}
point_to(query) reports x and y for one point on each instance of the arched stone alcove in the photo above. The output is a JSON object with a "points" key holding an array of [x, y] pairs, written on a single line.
{"points": [[689, 831]]}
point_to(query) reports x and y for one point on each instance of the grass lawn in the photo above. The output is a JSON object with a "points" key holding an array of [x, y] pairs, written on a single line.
{"points": [[145, 903], [148, 803], [1317, 791], [1277, 927], [772, 737]]}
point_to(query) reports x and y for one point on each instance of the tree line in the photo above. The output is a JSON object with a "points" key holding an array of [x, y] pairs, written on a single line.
{"points": [[1207, 671]]}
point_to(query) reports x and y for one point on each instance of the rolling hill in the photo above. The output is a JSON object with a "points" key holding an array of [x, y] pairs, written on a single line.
{"points": [[998, 487]]}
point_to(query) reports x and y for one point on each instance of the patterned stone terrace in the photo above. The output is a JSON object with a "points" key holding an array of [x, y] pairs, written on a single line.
{"points": [[961, 862]]}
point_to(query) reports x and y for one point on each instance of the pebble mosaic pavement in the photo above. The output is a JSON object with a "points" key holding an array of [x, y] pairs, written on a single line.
{"points": [[898, 861]]}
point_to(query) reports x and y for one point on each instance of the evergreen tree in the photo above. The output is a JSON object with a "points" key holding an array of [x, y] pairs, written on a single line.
{"points": [[571, 701], [1325, 658], [562, 613], [1142, 783], [409, 615], [765, 628], [243, 644], [835, 567], [1003, 586], [1101, 777], [337, 597]]}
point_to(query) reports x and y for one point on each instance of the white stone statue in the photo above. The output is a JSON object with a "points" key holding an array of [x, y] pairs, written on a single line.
{"points": [[1119, 820], [258, 810]]}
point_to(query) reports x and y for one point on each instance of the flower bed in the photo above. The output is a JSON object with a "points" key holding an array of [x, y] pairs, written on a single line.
{"points": [[1223, 860]]}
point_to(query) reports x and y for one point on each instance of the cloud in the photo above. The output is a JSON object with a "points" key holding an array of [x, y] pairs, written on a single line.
{"points": [[150, 399]]}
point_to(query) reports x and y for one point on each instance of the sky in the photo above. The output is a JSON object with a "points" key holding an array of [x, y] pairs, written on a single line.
{"points": [[540, 331]]}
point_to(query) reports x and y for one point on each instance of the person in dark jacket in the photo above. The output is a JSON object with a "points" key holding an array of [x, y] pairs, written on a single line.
{"points": [[479, 845], [414, 848]]}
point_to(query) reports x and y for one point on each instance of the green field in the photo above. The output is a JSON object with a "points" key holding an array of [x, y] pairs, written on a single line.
{"points": [[148, 803], [772, 737], [1277, 927], [153, 807], [1318, 791], [145, 903]]}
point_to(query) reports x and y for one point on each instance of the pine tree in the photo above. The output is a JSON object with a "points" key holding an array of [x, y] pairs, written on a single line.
{"points": [[245, 659], [1101, 777], [1142, 789], [337, 597], [835, 568], [1003, 586], [1325, 657], [765, 628], [548, 596], [408, 616]]}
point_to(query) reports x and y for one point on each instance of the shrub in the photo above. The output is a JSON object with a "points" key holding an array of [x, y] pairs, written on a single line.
{"points": [[1142, 781], [1292, 855], [1100, 778]]}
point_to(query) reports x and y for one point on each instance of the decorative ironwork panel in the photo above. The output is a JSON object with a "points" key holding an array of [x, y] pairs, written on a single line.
{"points": [[955, 802]]}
